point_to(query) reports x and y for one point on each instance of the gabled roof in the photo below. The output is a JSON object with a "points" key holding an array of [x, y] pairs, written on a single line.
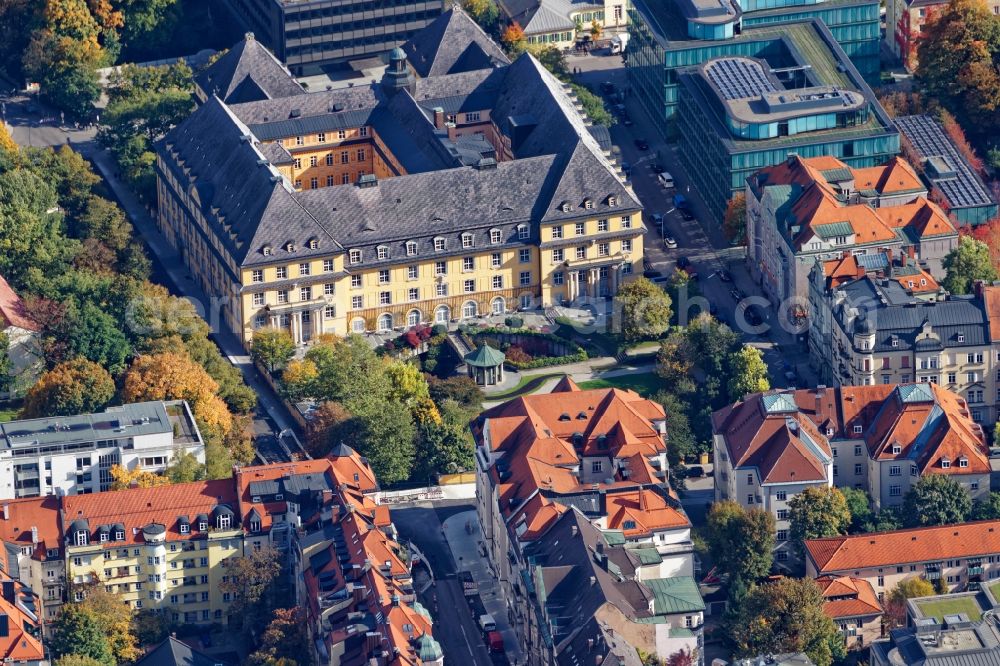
{"points": [[172, 652], [452, 43], [20, 609], [846, 596], [246, 73], [12, 310], [920, 544]]}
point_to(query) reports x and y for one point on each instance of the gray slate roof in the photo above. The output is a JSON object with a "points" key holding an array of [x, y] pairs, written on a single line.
{"points": [[557, 160], [248, 72], [172, 652], [452, 43]]}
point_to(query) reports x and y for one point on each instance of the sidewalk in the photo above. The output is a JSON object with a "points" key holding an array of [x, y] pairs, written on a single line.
{"points": [[468, 557], [182, 282]]}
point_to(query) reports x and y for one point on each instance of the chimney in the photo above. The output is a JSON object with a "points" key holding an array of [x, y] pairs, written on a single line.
{"points": [[395, 600], [438, 117], [34, 534], [574, 530], [593, 580], [911, 252], [888, 254], [642, 500]]}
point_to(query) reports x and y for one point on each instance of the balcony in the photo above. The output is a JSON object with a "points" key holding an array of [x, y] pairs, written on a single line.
{"points": [[975, 570]]}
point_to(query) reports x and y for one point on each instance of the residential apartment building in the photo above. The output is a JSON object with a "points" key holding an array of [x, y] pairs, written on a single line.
{"points": [[805, 210], [20, 625], [881, 439], [74, 454], [308, 36], [965, 556], [312, 212], [854, 608], [600, 452], [904, 21], [33, 553], [871, 331], [559, 23]]}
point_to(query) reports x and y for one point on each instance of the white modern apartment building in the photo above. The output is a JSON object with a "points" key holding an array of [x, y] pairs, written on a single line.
{"points": [[69, 455]]}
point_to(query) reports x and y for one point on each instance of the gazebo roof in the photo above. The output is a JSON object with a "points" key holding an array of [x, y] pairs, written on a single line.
{"points": [[485, 357]]}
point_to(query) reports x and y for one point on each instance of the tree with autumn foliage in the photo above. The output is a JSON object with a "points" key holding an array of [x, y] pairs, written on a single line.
{"points": [[910, 588], [122, 478], [734, 222], [256, 584], [78, 386], [171, 376], [987, 233], [98, 627], [283, 639], [513, 39]]}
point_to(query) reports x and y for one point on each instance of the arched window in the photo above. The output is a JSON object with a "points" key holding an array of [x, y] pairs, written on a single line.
{"points": [[358, 325], [385, 322], [469, 310], [442, 315], [413, 318], [497, 306]]}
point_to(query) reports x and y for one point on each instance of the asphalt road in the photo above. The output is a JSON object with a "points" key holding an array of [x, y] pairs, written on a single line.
{"points": [[461, 640]]}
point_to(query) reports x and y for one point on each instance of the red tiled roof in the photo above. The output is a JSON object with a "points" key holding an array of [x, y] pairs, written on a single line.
{"points": [[991, 298], [848, 597], [919, 544], [645, 508], [12, 310], [21, 515], [17, 645]]}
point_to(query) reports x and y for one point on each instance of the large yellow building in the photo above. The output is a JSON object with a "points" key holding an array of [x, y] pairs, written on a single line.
{"points": [[404, 202]]}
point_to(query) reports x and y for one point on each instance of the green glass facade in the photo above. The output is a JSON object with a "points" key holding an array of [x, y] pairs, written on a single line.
{"points": [[660, 43]]}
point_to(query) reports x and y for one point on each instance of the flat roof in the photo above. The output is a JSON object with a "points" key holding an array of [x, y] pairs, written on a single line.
{"points": [[709, 12], [141, 418]]}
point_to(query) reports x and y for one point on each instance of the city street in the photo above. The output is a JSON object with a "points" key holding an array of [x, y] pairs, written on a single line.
{"points": [[699, 240]]}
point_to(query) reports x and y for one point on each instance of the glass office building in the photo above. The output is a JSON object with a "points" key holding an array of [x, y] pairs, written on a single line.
{"points": [[666, 35], [797, 92]]}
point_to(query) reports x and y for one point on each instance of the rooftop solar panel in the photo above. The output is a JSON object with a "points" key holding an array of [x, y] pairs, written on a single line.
{"points": [[963, 189], [739, 78]]}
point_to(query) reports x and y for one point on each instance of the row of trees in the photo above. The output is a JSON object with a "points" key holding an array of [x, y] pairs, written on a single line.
{"points": [[408, 425], [107, 332]]}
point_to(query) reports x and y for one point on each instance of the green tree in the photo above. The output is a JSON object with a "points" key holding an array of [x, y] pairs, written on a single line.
{"points": [[77, 660], [147, 22], [817, 512], [460, 388], [785, 616], [741, 541], [442, 449], [936, 499], [888, 519], [484, 12], [552, 59], [859, 505], [75, 387], [593, 105], [384, 433], [680, 439], [968, 262], [6, 367], [150, 627], [283, 639], [644, 309], [256, 585], [96, 337], [272, 348], [184, 468], [77, 632], [747, 373], [909, 588], [987, 508]]}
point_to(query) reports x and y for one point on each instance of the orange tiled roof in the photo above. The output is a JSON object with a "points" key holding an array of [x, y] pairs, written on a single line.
{"points": [[136, 508], [896, 176], [991, 298], [848, 597], [924, 217], [920, 544], [644, 508], [21, 515], [18, 645]]}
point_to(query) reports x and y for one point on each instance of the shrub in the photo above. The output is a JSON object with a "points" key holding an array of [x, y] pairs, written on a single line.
{"points": [[513, 322], [517, 356], [439, 330]]}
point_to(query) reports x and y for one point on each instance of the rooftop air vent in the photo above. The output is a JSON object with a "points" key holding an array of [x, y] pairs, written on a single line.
{"points": [[295, 113]]}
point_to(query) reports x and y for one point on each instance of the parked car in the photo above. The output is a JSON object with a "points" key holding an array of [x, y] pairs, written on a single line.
{"points": [[656, 219], [627, 120], [495, 640], [486, 623], [607, 87], [651, 274], [696, 471], [670, 242], [665, 180], [641, 144]]}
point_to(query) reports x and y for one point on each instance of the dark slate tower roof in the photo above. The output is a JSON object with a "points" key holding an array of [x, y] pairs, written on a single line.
{"points": [[451, 44], [247, 73]]}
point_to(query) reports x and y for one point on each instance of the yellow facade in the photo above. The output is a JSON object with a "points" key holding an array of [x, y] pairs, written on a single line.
{"points": [[180, 577]]}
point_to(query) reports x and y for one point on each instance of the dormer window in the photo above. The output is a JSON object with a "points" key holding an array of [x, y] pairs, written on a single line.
{"points": [[628, 525], [923, 282], [382, 252], [858, 429], [963, 462], [829, 432], [894, 342], [910, 284], [185, 528], [495, 236], [103, 536], [313, 243], [224, 521], [354, 256], [279, 497], [81, 538], [289, 247], [896, 449], [566, 207], [588, 204], [255, 500], [467, 240], [961, 337], [266, 250], [255, 525], [119, 536], [202, 526], [612, 200], [439, 244], [411, 248], [523, 232], [945, 463]]}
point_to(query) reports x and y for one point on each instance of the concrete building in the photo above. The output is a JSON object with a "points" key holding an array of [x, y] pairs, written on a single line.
{"points": [[669, 35], [560, 23], [805, 210], [854, 608], [872, 330], [308, 36], [881, 439], [966, 556], [74, 454], [600, 453], [950, 175], [313, 212], [23, 343], [904, 23]]}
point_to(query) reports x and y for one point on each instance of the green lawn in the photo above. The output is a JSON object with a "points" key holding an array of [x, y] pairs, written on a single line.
{"points": [[938, 609], [7, 415], [645, 384], [526, 385], [995, 589]]}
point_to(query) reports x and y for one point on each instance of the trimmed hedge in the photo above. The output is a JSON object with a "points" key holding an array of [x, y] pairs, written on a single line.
{"points": [[524, 338]]}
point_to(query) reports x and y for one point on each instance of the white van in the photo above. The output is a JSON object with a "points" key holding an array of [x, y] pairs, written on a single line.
{"points": [[666, 180], [486, 622]]}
